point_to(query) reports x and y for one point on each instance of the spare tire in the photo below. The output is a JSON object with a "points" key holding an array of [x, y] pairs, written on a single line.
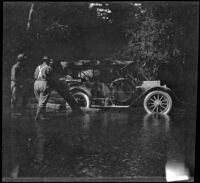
{"points": [[122, 91]]}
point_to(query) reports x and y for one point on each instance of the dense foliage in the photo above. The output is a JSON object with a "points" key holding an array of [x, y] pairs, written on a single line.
{"points": [[160, 37]]}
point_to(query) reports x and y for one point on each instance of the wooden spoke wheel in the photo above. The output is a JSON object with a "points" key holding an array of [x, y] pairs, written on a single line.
{"points": [[158, 102], [82, 99]]}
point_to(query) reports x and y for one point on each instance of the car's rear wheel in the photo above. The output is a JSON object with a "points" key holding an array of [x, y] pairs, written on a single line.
{"points": [[158, 102], [82, 99]]}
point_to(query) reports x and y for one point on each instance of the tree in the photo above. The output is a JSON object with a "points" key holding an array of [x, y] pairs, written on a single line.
{"points": [[150, 34]]}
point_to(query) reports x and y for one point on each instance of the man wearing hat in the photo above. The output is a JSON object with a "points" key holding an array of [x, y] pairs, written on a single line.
{"points": [[42, 76], [17, 81]]}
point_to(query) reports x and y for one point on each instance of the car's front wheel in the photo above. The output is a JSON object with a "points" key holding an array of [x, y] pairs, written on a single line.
{"points": [[82, 99], [158, 102]]}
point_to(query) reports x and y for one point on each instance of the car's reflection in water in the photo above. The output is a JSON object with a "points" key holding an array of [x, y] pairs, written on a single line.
{"points": [[100, 144], [156, 122]]}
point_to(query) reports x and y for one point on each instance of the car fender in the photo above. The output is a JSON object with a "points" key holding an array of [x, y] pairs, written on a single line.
{"points": [[159, 88]]}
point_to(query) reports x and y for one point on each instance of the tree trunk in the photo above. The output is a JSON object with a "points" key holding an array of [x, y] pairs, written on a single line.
{"points": [[29, 17]]}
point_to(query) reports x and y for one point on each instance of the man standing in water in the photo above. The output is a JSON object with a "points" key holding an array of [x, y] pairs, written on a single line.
{"points": [[18, 82], [42, 76], [46, 80]]}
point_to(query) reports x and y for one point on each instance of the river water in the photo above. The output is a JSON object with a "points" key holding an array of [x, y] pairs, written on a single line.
{"points": [[107, 143]]}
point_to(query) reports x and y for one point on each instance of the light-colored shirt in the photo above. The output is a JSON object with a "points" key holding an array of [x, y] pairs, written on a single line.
{"points": [[43, 72]]}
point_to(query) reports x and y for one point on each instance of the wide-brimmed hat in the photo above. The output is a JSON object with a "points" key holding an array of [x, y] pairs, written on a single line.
{"points": [[45, 58]]}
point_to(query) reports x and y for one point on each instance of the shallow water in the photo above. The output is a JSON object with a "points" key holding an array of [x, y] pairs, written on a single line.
{"points": [[111, 143]]}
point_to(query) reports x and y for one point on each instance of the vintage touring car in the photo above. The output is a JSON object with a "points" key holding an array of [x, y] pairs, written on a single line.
{"points": [[103, 85]]}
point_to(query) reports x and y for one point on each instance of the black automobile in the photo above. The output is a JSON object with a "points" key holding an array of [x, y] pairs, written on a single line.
{"points": [[103, 85]]}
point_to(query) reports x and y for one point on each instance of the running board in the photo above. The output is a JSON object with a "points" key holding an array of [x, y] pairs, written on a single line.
{"points": [[111, 106]]}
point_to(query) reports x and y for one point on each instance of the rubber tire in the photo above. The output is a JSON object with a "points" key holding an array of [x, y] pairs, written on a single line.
{"points": [[87, 99], [128, 101], [162, 93]]}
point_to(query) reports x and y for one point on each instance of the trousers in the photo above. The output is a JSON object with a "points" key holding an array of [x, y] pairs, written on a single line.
{"points": [[19, 94], [42, 92]]}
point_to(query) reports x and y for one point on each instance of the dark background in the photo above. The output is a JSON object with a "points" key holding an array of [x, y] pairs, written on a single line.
{"points": [[163, 36]]}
